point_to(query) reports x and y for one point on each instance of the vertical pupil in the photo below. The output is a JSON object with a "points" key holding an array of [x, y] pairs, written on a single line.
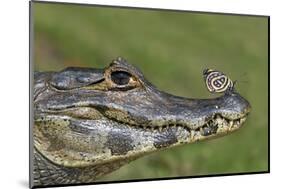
{"points": [[120, 77]]}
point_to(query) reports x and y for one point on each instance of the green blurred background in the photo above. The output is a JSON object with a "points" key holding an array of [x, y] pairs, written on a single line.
{"points": [[171, 48]]}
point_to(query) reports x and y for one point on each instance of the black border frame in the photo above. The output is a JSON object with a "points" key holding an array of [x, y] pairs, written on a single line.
{"points": [[31, 40]]}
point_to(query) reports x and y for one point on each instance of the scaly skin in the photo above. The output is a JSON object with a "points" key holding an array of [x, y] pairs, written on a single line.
{"points": [[86, 125]]}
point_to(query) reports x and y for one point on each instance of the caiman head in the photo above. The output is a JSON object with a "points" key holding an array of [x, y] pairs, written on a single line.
{"points": [[96, 120]]}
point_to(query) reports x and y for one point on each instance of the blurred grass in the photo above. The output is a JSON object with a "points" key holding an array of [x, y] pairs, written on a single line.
{"points": [[172, 49]]}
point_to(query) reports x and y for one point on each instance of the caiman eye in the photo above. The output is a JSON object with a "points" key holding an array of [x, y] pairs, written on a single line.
{"points": [[120, 77]]}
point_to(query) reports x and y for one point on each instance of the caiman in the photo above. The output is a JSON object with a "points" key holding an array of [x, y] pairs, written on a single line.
{"points": [[89, 122]]}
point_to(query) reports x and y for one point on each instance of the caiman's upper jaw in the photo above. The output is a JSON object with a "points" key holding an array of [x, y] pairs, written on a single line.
{"points": [[207, 117]]}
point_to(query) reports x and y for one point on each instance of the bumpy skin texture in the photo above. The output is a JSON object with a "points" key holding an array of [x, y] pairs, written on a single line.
{"points": [[89, 122]]}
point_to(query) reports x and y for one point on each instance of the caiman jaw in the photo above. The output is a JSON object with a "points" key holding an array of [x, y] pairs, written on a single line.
{"points": [[218, 124], [91, 135]]}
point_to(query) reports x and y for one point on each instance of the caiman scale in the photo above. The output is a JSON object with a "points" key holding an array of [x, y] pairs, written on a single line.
{"points": [[89, 122]]}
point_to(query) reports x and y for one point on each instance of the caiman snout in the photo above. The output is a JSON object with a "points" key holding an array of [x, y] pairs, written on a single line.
{"points": [[230, 108], [233, 106]]}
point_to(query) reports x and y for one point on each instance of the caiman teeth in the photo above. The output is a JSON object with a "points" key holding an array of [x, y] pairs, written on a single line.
{"points": [[208, 128]]}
